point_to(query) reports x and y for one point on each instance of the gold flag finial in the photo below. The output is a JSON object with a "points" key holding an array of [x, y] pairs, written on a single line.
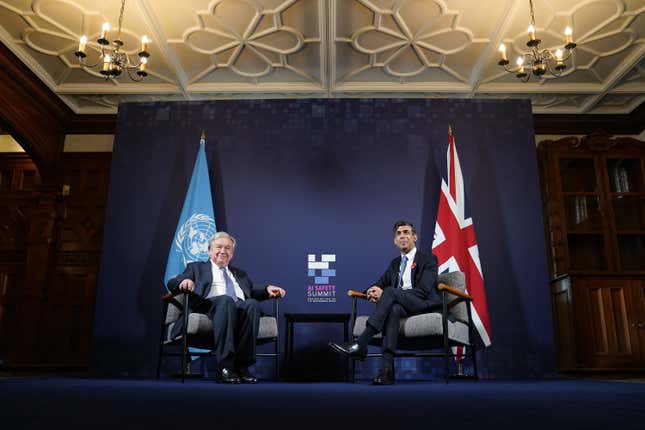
{"points": [[449, 130], [203, 134]]}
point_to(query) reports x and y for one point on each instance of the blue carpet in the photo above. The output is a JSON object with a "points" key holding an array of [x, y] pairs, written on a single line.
{"points": [[71, 403]]}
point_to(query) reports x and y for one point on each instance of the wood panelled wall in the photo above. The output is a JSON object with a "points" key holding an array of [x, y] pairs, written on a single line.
{"points": [[48, 324]]}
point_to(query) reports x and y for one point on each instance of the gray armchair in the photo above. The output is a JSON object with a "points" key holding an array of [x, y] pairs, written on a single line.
{"points": [[431, 334], [197, 332]]}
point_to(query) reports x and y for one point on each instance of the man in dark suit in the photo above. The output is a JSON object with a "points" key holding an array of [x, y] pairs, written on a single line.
{"points": [[229, 298], [408, 287]]}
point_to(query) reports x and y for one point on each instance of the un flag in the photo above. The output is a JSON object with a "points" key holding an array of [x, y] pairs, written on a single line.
{"points": [[197, 220]]}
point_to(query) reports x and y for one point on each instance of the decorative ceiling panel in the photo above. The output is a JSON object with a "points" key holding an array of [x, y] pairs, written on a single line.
{"points": [[212, 49]]}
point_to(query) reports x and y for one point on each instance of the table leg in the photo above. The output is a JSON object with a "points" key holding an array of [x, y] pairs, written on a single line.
{"points": [[287, 339], [291, 341], [346, 339]]}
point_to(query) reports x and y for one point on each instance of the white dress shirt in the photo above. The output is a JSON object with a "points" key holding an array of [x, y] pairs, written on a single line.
{"points": [[218, 286], [407, 273]]}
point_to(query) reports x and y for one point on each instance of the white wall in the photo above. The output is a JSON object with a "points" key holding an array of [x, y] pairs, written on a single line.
{"points": [[73, 143]]}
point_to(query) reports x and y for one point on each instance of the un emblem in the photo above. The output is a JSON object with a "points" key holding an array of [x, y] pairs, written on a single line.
{"points": [[192, 238]]}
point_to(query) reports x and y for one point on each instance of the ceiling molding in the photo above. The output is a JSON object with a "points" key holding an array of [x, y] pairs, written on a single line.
{"points": [[495, 39], [167, 53], [318, 49], [204, 49]]}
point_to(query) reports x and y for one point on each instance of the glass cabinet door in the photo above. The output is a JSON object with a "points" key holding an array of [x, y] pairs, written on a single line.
{"points": [[627, 197], [625, 175], [583, 214], [578, 175]]}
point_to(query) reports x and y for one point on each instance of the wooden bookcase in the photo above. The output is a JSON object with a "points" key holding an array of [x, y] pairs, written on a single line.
{"points": [[593, 194]]}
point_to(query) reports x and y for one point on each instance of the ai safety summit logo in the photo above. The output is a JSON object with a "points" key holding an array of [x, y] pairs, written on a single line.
{"points": [[322, 291]]}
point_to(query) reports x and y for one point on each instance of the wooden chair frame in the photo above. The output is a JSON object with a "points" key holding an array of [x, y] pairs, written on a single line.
{"points": [[446, 343], [184, 342]]}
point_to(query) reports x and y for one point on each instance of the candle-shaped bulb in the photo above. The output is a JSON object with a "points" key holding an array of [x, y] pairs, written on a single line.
{"points": [[558, 55], [502, 51], [144, 64], [568, 34], [82, 44], [144, 43], [107, 62], [531, 32], [104, 30], [520, 64]]}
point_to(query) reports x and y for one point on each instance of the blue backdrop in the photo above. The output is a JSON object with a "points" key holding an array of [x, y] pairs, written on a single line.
{"points": [[292, 178]]}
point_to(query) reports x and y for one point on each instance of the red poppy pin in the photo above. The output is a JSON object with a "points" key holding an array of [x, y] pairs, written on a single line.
{"points": [[414, 265]]}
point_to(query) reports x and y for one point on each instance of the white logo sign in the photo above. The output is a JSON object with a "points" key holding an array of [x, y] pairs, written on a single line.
{"points": [[192, 238]]}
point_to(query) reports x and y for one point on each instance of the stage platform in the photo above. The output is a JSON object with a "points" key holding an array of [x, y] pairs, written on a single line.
{"points": [[117, 404]]}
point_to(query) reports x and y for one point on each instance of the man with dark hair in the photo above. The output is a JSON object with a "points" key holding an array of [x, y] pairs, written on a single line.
{"points": [[231, 301], [408, 287]]}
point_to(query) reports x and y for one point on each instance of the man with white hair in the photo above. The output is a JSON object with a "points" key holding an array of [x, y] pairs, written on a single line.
{"points": [[231, 301]]}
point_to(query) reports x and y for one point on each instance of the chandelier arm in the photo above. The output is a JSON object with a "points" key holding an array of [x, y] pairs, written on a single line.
{"points": [[569, 55], [99, 59], [509, 70], [83, 63], [135, 79], [554, 71]]}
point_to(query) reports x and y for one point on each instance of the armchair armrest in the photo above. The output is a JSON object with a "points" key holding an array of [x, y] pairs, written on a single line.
{"points": [[167, 297], [443, 287], [356, 294]]}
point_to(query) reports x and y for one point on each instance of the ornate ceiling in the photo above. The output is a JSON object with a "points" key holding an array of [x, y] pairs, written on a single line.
{"points": [[210, 49]]}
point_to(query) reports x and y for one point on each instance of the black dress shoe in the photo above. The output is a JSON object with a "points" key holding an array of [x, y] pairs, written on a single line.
{"points": [[384, 377], [228, 376], [247, 377], [352, 350]]}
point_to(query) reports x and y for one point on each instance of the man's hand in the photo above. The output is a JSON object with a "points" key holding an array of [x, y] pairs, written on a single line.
{"points": [[275, 291], [187, 285], [374, 293]]}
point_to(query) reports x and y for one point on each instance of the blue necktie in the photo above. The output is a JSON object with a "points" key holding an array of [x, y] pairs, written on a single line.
{"points": [[230, 288], [404, 262]]}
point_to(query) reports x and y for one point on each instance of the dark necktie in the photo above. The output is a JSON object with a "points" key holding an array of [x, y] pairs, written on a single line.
{"points": [[404, 262], [230, 288]]}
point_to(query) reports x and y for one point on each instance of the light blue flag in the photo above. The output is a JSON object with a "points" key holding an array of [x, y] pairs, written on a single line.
{"points": [[197, 220]]}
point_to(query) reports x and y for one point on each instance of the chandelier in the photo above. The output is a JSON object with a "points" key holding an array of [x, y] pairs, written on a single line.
{"points": [[536, 60], [113, 59]]}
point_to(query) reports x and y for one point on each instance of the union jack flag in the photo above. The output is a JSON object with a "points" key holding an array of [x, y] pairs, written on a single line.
{"points": [[455, 244]]}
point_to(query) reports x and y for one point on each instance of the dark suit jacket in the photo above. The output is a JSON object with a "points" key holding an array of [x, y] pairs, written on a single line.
{"points": [[201, 273], [424, 277]]}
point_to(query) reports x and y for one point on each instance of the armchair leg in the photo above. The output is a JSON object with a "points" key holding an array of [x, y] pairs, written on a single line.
{"points": [[184, 342], [277, 359], [446, 347]]}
